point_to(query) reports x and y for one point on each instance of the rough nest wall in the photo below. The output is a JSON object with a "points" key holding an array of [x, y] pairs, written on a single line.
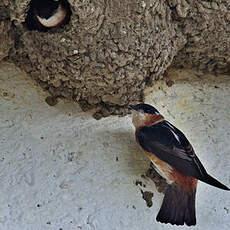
{"points": [[206, 25], [6, 38], [111, 48]]}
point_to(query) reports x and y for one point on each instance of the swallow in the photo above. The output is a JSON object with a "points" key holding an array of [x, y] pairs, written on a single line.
{"points": [[46, 14], [174, 159]]}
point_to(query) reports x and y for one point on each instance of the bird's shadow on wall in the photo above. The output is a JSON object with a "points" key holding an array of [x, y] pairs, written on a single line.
{"points": [[132, 159]]}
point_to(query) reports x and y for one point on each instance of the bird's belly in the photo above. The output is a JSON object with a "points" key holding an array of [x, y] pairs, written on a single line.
{"points": [[161, 167]]}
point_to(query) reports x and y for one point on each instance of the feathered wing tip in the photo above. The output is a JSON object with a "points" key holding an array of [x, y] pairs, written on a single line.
{"points": [[178, 206], [212, 181]]}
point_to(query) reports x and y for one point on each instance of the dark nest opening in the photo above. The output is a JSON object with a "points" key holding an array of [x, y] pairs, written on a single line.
{"points": [[46, 14]]}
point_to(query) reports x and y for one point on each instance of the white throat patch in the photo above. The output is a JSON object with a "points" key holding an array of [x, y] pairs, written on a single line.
{"points": [[137, 118]]}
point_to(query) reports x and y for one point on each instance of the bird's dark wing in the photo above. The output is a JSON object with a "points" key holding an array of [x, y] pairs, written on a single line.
{"points": [[170, 145]]}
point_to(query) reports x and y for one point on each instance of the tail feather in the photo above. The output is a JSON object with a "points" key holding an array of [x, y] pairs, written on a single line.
{"points": [[190, 214], [178, 206], [212, 181]]}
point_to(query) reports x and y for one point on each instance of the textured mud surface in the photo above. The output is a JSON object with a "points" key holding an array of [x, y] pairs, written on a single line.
{"points": [[6, 37], [147, 196], [111, 49], [6, 41], [207, 28]]}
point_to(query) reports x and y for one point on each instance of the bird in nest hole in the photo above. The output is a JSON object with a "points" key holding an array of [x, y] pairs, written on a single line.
{"points": [[46, 14]]}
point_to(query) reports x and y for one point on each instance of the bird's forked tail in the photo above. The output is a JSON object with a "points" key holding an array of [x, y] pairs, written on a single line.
{"points": [[178, 206]]}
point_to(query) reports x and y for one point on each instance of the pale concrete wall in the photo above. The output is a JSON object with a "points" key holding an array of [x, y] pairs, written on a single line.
{"points": [[61, 169]]}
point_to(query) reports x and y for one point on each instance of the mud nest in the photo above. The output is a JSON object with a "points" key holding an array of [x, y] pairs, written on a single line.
{"points": [[108, 51]]}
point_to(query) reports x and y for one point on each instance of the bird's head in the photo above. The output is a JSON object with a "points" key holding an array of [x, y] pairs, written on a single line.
{"points": [[144, 114]]}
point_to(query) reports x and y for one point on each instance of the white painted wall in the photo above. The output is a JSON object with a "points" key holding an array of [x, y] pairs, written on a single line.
{"points": [[58, 165]]}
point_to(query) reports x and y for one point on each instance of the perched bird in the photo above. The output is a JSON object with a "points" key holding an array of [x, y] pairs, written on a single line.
{"points": [[174, 159], [46, 14]]}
